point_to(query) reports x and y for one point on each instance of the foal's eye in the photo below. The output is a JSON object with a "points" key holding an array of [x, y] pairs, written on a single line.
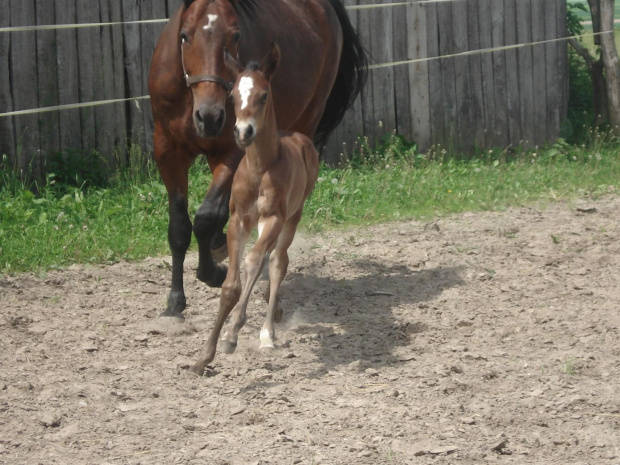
{"points": [[263, 98], [236, 37]]}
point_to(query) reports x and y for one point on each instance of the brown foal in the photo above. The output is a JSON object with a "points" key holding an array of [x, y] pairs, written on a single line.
{"points": [[269, 189]]}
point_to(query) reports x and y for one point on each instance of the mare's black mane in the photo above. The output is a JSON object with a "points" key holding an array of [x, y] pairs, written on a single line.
{"points": [[242, 7]]}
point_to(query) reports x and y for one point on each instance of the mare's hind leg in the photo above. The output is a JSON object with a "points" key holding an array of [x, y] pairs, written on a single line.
{"points": [[231, 290], [278, 265], [210, 219], [173, 167]]}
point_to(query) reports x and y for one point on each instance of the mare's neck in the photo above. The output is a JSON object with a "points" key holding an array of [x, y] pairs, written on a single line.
{"points": [[265, 148]]}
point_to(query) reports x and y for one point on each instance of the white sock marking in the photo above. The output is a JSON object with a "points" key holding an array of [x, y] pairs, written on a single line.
{"points": [[246, 84]]}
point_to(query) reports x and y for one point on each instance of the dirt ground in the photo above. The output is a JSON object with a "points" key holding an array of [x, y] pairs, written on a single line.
{"points": [[481, 338]]}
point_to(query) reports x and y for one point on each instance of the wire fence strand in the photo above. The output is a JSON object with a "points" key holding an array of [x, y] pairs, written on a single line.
{"points": [[371, 67]]}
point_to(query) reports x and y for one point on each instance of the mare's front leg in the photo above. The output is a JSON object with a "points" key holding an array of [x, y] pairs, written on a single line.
{"points": [[210, 219], [173, 164], [231, 290]]}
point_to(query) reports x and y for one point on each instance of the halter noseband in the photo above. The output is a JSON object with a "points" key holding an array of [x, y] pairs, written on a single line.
{"points": [[191, 80]]}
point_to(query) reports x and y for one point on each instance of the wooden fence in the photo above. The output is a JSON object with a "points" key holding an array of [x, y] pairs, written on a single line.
{"points": [[501, 98], [512, 97]]}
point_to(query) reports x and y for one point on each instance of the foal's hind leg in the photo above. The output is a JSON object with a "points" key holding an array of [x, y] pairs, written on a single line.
{"points": [[278, 265]]}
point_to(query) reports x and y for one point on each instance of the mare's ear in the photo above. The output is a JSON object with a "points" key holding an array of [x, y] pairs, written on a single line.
{"points": [[232, 63], [187, 3], [271, 61]]}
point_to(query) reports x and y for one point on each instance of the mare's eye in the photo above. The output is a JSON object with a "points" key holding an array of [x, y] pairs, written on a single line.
{"points": [[184, 36], [236, 37]]}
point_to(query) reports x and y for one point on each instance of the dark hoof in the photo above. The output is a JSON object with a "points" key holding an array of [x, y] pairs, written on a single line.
{"points": [[169, 313], [216, 279], [220, 253], [227, 347], [197, 369]]}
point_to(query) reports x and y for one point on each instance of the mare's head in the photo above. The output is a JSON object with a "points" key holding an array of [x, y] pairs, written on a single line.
{"points": [[252, 94], [207, 27]]}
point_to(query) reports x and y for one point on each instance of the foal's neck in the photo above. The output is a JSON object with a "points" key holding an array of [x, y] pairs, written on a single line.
{"points": [[265, 148]]}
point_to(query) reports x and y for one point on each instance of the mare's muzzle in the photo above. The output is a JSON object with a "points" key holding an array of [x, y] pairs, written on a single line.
{"points": [[209, 120]]}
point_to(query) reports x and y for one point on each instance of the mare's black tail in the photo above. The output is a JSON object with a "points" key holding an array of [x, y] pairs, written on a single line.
{"points": [[352, 74]]}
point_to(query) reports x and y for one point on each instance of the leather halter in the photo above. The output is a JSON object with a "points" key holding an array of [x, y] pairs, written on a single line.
{"points": [[191, 80]]}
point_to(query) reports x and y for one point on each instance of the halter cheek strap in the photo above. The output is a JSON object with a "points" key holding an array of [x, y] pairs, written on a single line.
{"points": [[191, 80]]}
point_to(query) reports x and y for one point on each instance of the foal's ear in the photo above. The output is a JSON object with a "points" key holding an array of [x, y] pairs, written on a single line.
{"points": [[232, 63], [271, 61]]}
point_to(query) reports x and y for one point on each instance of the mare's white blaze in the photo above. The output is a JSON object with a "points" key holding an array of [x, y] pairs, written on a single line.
{"points": [[246, 84], [211, 23]]}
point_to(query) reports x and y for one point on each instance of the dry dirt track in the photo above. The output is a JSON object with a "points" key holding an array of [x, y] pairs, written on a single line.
{"points": [[486, 338]]}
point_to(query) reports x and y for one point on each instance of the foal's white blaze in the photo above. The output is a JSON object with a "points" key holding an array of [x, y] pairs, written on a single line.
{"points": [[211, 23], [246, 84]]}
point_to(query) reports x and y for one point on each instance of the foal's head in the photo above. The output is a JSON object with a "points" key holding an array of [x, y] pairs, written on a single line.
{"points": [[252, 94], [207, 27]]}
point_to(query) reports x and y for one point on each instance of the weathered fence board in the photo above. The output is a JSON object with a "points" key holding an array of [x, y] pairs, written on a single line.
{"points": [[467, 102], [466, 121], [133, 71], [438, 124], [7, 135], [485, 24], [539, 72], [526, 80], [89, 51], [552, 72], [501, 134], [475, 75], [402, 115], [418, 75], [68, 77], [24, 68], [120, 110], [47, 76], [512, 74]]}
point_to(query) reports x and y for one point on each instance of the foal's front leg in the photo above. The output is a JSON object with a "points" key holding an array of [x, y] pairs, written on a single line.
{"points": [[231, 289], [254, 262]]}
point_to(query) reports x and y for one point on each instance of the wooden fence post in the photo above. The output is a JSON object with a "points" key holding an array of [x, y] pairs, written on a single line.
{"points": [[7, 134], [25, 83]]}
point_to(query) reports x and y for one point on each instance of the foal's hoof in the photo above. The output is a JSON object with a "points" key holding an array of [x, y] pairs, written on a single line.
{"points": [[173, 315], [220, 253], [197, 369], [267, 347], [227, 347]]}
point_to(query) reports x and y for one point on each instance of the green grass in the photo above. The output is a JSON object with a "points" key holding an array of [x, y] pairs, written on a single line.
{"points": [[128, 221]]}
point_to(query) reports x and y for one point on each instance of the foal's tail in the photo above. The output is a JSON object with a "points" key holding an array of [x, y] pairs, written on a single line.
{"points": [[352, 74]]}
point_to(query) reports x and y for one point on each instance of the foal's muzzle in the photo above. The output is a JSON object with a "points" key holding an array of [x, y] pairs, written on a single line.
{"points": [[244, 134], [209, 120]]}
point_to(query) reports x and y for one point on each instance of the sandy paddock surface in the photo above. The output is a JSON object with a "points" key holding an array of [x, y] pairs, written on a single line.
{"points": [[481, 338]]}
